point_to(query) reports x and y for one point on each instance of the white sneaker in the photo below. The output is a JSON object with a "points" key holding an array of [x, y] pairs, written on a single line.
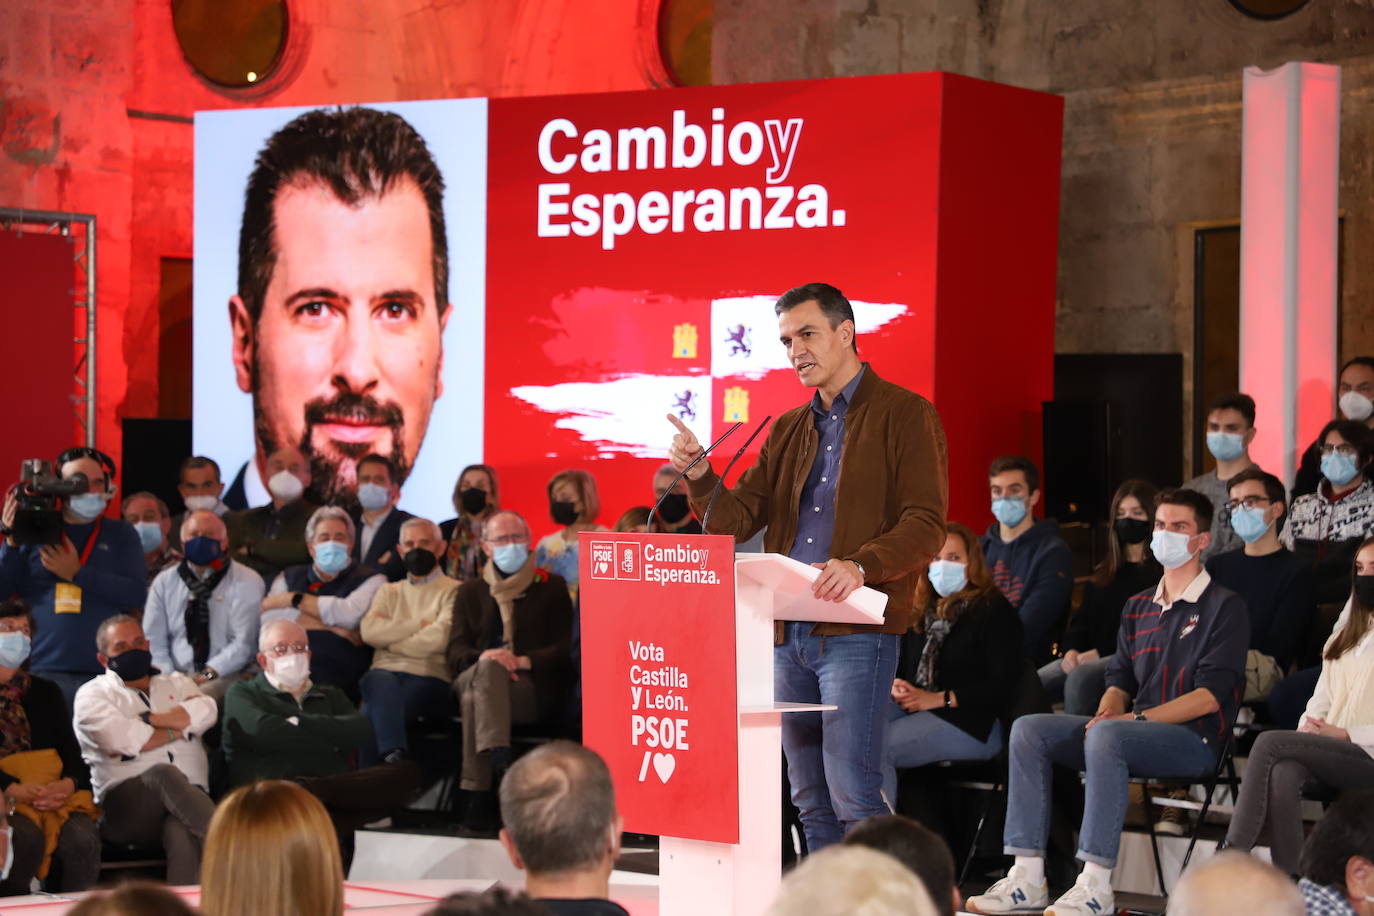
{"points": [[1085, 898], [1013, 894]]}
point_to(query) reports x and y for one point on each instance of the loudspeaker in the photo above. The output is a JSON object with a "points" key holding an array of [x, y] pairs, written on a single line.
{"points": [[153, 453]]}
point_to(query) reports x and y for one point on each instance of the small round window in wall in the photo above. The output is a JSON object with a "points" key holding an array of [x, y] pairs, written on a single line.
{"points": [[1268, 9], [684, 40], [231, 43]]}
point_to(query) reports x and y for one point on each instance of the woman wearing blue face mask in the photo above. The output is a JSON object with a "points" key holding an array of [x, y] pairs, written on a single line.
{"points": [[959, 667], [44, 779]]}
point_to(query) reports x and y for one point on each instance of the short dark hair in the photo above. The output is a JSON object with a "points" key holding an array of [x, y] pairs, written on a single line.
{"points": [[1357, 434], [917, 847], [1017, 463], [195, 463], [1346, 831], [494, 901], [356, 153], [557, 803], [384, 461], [1274, 489], [133, 899], [1199, 503], [1366, 361], [833, 303], [16, 607], [1241, 403], [76, 452]]}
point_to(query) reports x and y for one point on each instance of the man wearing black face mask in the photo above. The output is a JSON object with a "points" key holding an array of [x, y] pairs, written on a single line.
{"points": [[139, 732], [408, 625], [202, 614], [674, 515]]}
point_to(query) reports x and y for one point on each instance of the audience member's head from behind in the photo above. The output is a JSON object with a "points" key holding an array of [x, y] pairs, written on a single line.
{"points": [[1346, 449], [1231, 427], [1339, 853], [1361, 615], [1257, 504], [1132, 515], [1232, 883], [495, 901], [635, 518], [271, 849], [573, 499], [133, 899], [959, 574], [1183, 527], [850, 880], [918, 848], [1355, 390], [1014, 485], [476, 493], [560, 821]]}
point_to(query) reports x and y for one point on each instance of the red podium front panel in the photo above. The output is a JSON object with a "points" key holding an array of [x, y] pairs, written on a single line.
{"points": [[658, 678]]}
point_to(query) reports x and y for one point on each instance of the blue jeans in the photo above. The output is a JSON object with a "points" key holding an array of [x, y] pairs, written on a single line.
{"points": [[392, 699], [918, 738], [1110, 754], [1081, 689], [834, 758]]}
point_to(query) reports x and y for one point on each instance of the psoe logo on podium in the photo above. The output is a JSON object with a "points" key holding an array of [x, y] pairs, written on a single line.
{"points": [[627, 561], [616, 560]]}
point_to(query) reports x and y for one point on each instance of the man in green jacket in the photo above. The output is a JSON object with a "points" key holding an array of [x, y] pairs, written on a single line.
{"points": [[853, 482], [280, 725]]}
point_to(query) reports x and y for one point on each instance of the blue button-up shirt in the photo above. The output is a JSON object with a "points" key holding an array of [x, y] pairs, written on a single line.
{"points": [[816, 514]]}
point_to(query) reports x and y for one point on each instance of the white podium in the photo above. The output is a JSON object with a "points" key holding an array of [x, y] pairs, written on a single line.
{"points": [[742, 879]]}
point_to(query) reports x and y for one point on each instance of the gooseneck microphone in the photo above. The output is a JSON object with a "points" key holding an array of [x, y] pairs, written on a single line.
{"points": [[680, 474], [715, 494]]}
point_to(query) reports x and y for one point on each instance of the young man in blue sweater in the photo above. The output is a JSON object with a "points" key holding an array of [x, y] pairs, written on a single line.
{"points": [[1180, 666], [1030, 563], [96, 572]]}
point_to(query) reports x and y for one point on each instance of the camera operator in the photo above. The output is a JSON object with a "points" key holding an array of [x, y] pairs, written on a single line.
{"points": [[94, 572]]}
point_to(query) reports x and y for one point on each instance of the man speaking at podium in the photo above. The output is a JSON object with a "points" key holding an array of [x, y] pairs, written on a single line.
{"points": [[855, 484]]}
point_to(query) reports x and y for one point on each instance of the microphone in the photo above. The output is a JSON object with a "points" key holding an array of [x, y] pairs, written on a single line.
{"points": [[680, 474], [710, 504]]}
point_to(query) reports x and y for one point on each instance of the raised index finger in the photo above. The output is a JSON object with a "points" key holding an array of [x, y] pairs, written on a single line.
{"points": [[681, 427]]}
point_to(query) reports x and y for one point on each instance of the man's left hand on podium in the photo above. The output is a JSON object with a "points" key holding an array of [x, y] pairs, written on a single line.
{"points": [[838, 580]]}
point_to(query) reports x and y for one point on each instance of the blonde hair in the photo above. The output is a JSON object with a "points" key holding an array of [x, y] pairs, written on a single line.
{"points": [[585, 484], [852, 881], [271, 849]]}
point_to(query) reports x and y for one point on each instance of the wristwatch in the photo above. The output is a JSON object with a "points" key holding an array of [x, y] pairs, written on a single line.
{"points": [[862, 575], [209, 674], [297, 598], [1140, 717]]}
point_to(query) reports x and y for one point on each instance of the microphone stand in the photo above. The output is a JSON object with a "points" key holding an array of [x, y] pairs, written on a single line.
{"points": [[710, 504], [680, 474]]}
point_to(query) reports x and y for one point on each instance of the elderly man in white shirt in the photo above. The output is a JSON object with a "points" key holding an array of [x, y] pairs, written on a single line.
{"points": [[139, 732], [328, 599], [202, 614]]}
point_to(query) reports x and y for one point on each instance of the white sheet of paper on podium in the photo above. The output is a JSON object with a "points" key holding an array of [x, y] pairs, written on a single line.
{"points": [[791, 583]]}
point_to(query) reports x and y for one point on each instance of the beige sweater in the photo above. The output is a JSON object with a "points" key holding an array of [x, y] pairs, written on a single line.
{"points": [[1345, 691], [408, 626]]}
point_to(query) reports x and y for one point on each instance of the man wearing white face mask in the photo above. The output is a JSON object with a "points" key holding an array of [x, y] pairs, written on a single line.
{"points": [[377, 519], [272, 537], [1180, 665], [1355, 402], [283, 725], [95, 572], [1230, 430], [509, 654]]}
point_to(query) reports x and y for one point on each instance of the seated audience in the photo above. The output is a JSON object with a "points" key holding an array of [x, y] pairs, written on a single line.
{"points": [[847, 880], [476, 496], [1030, 563], [1234, 884], [1230, 430], [281, 725], [959, 665], [1334, 745], [635, 518], [1337, 863], [272, 537], [139, 733], [377, 519], [1276, 586], [1080, 677], [153, 522], [202, 614], [574, 506], [408, 626], [674, 515], [1355, 400], [562, 829], [133, 899], [200, 487], [508, 650], [96, 572], [495, 901], [919, 849], [45, 781], [328, 597], [1180, 663], [264, 855]]}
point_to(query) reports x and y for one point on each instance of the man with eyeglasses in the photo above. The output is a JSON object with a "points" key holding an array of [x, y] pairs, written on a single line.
{"points": [[1276, 586], [282, 725], [509, 655]]}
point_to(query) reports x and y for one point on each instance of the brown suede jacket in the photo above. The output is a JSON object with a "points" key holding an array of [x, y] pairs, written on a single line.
{"points": [[890, 498]]}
